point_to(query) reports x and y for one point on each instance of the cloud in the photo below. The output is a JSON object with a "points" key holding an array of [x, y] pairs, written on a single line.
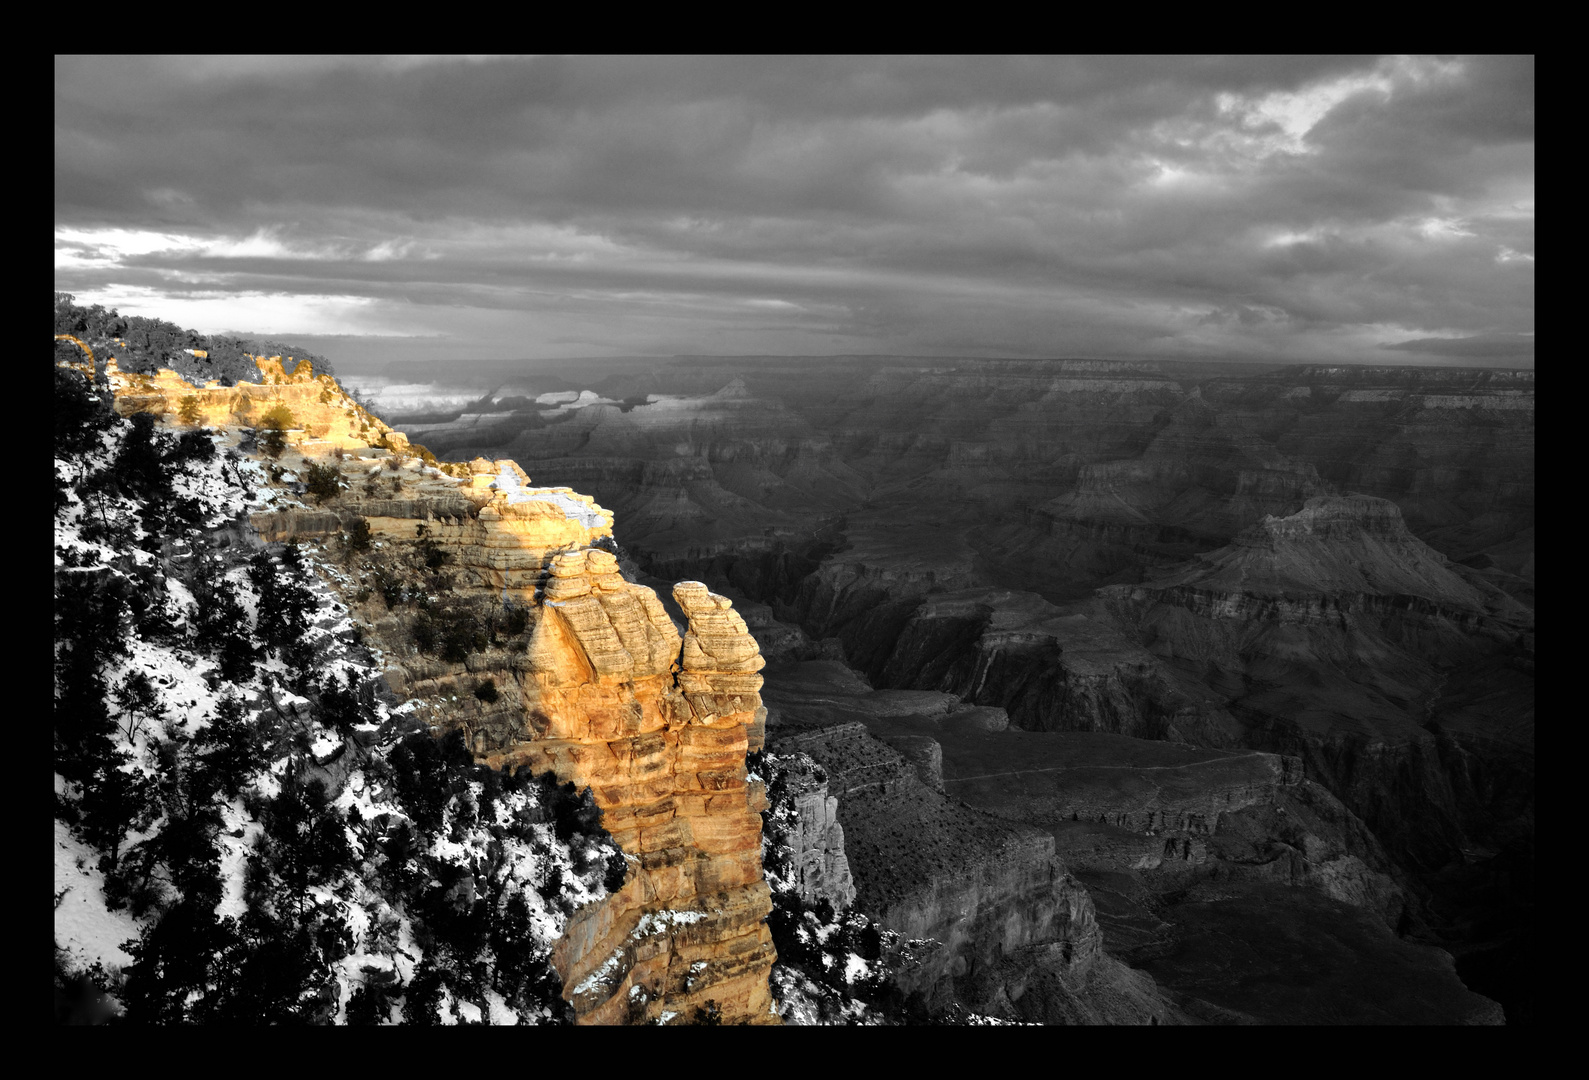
{"points": [[1032, 205], [1492, 347]]}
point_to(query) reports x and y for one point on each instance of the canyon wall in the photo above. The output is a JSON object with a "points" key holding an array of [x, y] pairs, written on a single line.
{"points": [[1043, 859], [1125, 549], [1081, 548], [595, 683], [323, 417], [1096, 468], [1007, 929]]}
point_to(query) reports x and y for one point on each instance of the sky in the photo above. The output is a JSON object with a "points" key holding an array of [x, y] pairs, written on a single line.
{"points": [[1281, 209]]}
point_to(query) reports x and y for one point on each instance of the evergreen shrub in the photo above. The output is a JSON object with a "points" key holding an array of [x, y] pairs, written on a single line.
{"points": [[324, 482]]}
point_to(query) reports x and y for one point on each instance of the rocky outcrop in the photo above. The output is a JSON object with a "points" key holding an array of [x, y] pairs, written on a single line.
{"points": [[663, 748], [1006, 911], [1336, 547], [1051, 668], [500, 532], [812, 835], [1453, 449], [323, 417], [601, 689], [1173, 814], [1335, 635], [1161, 838]]}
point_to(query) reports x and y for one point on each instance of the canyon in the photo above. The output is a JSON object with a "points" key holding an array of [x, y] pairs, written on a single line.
{"points": [[1303, 594], [594, 683], [1089, 682]]}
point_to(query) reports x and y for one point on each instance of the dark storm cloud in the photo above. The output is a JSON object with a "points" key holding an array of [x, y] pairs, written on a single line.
{"points": [[622, 131], [1047, 206], [1511, 348]]}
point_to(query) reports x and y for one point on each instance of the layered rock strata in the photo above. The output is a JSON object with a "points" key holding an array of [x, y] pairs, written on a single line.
{"points": [[1017, 933], [1176, 813], [662, 744], [813, 835], [1166, 839], [989, 501], [604, 692], [324, 418], [1337, 636]]}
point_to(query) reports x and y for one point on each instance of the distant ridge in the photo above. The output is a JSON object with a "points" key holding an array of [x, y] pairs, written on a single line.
{"points": [[580, 371], [1420, 373]]}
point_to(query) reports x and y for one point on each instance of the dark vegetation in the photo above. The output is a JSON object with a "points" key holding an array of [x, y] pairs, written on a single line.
{"points": [[413, 579], [159, 793], [141, 345], [276, 963], [324, 482]]}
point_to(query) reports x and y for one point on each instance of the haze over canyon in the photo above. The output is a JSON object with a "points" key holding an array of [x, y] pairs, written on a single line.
{"points": [[1209, 628]]}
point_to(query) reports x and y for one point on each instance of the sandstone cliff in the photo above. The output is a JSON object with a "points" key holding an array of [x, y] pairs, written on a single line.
{"points": [[595, 684], [325, 418], [813, 836], [987, 502]]}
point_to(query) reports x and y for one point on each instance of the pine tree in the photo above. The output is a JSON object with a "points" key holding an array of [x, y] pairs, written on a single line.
{"points": [[135, 696], [221, 628], [88, 615], [422, 1001], [309, 843], [279, 973], [340, 707], [194, 446], [81, 415], [229, 746], [276, 423], [369, 1004], [323, 482], [116, 796], [279, 418], [284, 597], [140, 467]]}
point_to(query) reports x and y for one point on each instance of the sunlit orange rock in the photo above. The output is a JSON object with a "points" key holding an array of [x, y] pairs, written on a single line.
{"points": [[607, 693]]}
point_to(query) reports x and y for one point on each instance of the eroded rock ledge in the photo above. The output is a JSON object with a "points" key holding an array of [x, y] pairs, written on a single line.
{"points": [[662, 744], [604, 690]]}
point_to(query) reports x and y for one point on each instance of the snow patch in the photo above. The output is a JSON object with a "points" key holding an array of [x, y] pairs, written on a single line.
{"points": [[573, 509]]}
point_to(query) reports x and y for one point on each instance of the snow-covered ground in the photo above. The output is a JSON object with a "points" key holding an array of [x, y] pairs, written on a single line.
{"points": [[573, 509], [188, 690]]}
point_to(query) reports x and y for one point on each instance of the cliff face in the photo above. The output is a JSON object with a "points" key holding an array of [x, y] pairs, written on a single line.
{"points": [[1017, 932], [1057, 855], [241, 799], [1061, 473], [1170, 552], [1348, 642], [1331, 634], [664, 750], [814, 837], [1169, 814], [325, 418], [697, 474], [599, 687]]}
